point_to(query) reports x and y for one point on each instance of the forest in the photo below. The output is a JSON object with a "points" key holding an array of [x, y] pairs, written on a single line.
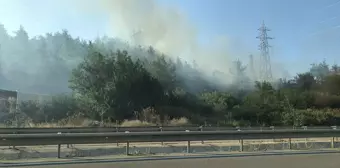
{"points": [[111, 81]]}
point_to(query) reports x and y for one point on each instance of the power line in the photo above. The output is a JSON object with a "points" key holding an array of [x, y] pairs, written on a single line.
{"points": [[324, 30], [333, 4], [329, 19], [324, 21], [136, 36], [330, 5]]}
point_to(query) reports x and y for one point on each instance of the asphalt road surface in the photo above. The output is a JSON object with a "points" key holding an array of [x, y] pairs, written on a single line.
{"points": [[284, 161]]}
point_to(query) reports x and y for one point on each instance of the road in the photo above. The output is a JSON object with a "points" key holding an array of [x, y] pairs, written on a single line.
{"points": [[283, 161]]}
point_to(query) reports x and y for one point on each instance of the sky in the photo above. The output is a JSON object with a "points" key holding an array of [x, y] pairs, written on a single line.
{"points": [[304, 31]]}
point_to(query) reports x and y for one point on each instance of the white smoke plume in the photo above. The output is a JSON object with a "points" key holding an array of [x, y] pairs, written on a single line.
{"points": [[167, 29], [144, 22]]}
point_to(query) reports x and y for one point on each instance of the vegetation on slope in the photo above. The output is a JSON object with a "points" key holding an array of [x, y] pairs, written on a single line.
{"points": [[111, 81]]}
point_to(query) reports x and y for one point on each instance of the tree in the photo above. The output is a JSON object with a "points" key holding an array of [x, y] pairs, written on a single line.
{"points": [[335, 69], [164, 71], [331, 84], [305, 81], [265, 101], [115, 85], [4, 37], [119, 85], [222, 103], [320, 71]]}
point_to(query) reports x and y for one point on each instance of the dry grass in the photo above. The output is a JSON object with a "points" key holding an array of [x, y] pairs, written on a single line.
{"points": [[83, 122], [75, 122], [52, 125], [179, 122], [147, 117], [138, 123], [135, 123]]}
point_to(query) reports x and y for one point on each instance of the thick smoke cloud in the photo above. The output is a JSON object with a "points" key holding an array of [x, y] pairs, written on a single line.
{"points": [[139, 22], [165, 28], [169, 30]]}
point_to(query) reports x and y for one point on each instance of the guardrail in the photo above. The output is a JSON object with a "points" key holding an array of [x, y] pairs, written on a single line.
{"points": [[142, 129], [128, 137]]}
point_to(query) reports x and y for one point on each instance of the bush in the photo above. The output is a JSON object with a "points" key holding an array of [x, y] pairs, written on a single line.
{"points": [[58, 108], [149, 115]]}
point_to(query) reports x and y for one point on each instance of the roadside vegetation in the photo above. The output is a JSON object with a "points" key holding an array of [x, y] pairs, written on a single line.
{"points": [[117, 84]]}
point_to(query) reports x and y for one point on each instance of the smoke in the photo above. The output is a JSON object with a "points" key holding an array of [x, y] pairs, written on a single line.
{"points": [[166, 28], [139, 22], [169, 30]]}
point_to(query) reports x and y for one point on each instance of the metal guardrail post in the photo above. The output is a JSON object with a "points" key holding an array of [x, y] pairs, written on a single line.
{"points": [[161, 129], [188, 147], [127, 148], [241, 145], [13, 147], [68, 145], [201, 129], [273, 128], [127, 145], [239, 129], [116, 132], [290, 143], [241, 140], [305, 128], [333, 138], [59, 148], [332, 142], [334, 128]]}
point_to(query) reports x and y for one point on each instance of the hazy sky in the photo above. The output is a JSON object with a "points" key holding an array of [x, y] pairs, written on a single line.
{"points": [[305, 31]]}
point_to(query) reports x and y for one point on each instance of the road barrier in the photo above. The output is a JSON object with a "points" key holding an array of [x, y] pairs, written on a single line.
{"points": [[141, 129], [169, 136]]}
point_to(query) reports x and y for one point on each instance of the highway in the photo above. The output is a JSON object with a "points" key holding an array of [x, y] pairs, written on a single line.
{"points": [[278, 161]]}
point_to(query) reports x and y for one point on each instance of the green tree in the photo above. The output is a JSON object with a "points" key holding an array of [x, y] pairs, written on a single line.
{"points": [[305, 81], [115, 85], [265, 101], [164, 71], [331, 84]]}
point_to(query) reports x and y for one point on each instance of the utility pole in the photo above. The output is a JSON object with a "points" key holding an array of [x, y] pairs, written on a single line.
{"points": [[136, 37], [238, 71], [265, 64]]}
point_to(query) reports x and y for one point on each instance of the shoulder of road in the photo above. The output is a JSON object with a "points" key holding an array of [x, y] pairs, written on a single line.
{"points": [[105, 160]]}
